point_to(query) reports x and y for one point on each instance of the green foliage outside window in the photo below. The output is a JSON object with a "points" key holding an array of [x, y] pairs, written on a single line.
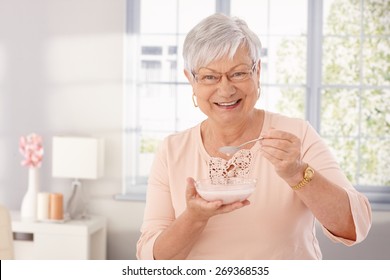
{"points": [[149, 145], [355, 95]]}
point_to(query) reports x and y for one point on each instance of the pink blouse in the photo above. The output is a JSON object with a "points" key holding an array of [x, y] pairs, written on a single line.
{"points": [[276, 225]]}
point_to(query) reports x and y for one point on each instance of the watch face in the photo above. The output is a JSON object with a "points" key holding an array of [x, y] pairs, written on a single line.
{"points": [[309, 172]]}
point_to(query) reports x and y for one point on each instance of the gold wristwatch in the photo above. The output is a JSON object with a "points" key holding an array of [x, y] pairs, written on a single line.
{"points": [[308, 175]]}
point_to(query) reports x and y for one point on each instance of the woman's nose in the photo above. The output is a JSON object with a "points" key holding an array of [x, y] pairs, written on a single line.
{"points": [[226, 87]]}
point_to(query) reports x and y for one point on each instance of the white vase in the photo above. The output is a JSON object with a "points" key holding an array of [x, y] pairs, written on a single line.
{"points": [[28, 210]]}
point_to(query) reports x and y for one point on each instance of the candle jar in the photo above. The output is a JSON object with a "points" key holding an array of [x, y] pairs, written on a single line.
{"points": [[56, 206]]}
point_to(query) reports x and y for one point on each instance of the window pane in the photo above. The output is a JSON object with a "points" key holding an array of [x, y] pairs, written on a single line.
{"points": [[284, 60], [157, 105], [254, 12], [158, 16], [276, 17], [288, 101], [340, 113], [148, 147], [345, 150], [158, 57], [339, 127], [376, 61], [341, 17], [341, 61], [374, 162], [376, 114], [290, 60], [137, 164], [376, 17], [191, 12], [288, 17]]}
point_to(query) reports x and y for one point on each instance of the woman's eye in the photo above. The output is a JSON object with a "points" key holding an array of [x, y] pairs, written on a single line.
{"points": [[238, 74], [209, 77]]}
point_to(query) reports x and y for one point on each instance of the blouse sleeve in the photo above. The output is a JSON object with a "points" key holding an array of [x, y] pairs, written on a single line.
{"points": [[159, 213], [319, 156], [361, 213]]}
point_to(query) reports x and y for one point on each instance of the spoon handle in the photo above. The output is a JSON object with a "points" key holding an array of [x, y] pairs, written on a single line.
{"points": [[254, 140]]}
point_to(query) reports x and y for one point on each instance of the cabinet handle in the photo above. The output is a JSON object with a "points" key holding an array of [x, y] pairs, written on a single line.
{"points": [[23, 236]]}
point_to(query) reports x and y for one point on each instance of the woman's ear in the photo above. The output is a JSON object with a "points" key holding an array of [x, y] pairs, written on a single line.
{"points": [[258, 69], [189, 76]]}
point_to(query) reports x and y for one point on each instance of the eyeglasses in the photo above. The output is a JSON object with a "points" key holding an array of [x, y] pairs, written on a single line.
{"points": [[235, 76]]}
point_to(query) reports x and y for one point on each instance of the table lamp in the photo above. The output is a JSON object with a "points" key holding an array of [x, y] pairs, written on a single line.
{"points": [[77, 158]]}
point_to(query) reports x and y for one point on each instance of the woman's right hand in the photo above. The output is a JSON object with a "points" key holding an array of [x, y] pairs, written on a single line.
{"points": [[201, 209]]}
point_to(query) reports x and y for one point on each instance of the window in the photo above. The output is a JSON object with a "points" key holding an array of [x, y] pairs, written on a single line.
{"points": [[327, 61], [356, 89]]}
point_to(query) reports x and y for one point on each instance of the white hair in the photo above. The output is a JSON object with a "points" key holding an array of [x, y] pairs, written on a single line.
{"points": [[217, 36]]}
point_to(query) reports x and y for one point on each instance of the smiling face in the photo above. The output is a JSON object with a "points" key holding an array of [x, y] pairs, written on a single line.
{"points": [[228, 100]]}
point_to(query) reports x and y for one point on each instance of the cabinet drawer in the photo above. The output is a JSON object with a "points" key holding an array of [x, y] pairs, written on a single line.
{"points": [[50, 246]]}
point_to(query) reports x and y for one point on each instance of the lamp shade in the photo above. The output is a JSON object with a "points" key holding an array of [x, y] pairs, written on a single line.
{"points": [[77, 157]]}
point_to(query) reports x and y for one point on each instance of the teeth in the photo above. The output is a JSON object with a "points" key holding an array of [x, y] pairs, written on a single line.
{"points": [[228, 104]]}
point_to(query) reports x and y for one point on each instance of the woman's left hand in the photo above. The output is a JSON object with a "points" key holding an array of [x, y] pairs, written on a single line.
{"points": [[283, 150]]}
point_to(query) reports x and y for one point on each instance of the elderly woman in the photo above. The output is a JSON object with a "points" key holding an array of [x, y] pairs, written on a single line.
{"points": [[298, 180]]}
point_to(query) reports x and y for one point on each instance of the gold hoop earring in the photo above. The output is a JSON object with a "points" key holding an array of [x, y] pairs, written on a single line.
{"points": [[193, 100]]}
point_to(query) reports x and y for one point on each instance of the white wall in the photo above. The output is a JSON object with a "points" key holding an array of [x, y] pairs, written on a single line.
{"points": [[61, 71]]}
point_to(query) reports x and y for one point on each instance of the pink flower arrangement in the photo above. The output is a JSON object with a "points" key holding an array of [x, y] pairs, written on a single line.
{"points": [[31, 149]]}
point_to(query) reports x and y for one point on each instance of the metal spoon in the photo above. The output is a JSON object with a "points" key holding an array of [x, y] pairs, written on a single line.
{"points": [[230, 150]]}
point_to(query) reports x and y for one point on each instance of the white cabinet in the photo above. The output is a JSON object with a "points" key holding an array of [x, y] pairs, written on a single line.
{"points": [[75, 239]]}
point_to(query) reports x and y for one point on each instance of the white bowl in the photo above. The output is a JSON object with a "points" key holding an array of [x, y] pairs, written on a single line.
{"points": [[228, 190]]}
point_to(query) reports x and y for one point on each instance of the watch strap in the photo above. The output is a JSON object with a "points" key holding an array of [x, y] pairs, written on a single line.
{"points": [[305, 179]]}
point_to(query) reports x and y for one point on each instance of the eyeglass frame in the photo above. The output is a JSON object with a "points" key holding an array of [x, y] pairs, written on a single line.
{"points": [[249, 73]]}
